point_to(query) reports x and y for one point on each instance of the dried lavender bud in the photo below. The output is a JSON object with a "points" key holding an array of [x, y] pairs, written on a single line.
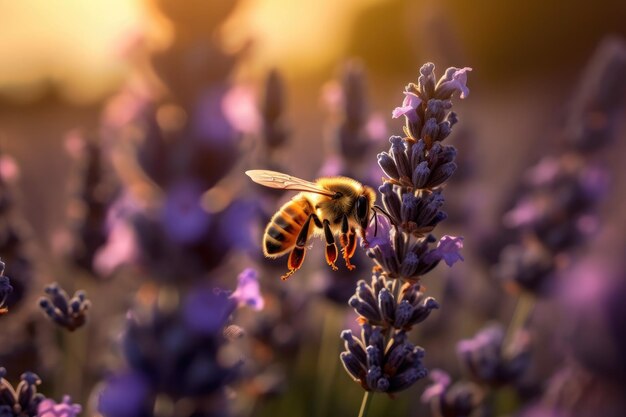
{"points": [[66, 312]]}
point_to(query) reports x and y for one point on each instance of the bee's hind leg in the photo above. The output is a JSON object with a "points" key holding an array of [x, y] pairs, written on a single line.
{"points": [[296, 257], [331, 247]]}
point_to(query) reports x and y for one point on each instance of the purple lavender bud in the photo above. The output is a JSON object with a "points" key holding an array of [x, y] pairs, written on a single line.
{"points": [[404, 311], [445, 128], [387, 305], [364, 309], [421, 175], [409, 265], [435, 109], [354, 346], [426, 81], [422, 311], [407, 378], [397, 355], [58, 296], [374, 373], [430, 131], [374, 356], [382, 384], [26, 389], [391, 201], [364, 292], [398, 153], [417, 153], [388, 165], [441, 174], [352, 365]]}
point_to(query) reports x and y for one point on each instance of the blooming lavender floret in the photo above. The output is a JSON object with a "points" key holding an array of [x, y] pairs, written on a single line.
{"points": [[67, 312], [378, 367], [248, 292], [22, 400], [486, 360]]}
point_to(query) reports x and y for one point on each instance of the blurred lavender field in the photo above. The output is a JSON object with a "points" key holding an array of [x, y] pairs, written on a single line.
{"points": [[133, 281]]}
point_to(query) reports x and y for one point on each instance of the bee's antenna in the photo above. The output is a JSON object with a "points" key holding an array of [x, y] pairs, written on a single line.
{"points": [[383, 212], [375, 223]]}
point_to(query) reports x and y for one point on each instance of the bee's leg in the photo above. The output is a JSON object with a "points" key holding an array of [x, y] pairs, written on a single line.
{"points": [[348, 242], [331, 248], [296, 257]]}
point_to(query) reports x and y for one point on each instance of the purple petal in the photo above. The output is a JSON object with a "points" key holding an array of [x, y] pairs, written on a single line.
{"points": [[448, 249], [248, 291], [49, 408]]}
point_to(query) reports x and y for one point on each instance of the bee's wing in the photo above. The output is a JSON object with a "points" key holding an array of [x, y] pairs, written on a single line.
{"points": [[282, 181]]}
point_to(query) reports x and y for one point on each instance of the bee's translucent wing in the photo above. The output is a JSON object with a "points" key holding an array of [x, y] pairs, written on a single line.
{"points": [[282, 181]]}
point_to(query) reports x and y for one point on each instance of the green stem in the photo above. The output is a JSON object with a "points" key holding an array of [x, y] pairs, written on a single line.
{"points": [[365, 404], [523, 309]]}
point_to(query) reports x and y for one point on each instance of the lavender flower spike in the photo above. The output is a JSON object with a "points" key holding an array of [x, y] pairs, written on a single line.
{"points": [[66, 312]]}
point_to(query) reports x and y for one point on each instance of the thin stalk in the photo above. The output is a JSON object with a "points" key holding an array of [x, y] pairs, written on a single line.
{"points": [[365, 404], [523, 309]]}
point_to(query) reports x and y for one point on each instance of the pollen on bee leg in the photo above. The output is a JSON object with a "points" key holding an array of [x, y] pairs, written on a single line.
{"points": [[331, 255], [296, 257]]}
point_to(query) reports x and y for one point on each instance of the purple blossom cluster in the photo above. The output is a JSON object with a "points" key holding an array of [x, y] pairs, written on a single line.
{"points": [[416, 166]]}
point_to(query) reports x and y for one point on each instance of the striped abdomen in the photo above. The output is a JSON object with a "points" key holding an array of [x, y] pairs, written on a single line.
{"points": [[282, 231]]}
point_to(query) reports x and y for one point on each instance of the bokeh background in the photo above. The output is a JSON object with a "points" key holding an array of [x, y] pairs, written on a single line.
{"points": [[73, 71]]}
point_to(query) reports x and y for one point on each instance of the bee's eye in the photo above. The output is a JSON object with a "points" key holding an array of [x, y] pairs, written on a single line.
{"points": [[361, 207]]}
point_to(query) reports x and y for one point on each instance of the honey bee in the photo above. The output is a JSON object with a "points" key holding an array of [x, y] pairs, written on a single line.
{"points": [[337, 206]]}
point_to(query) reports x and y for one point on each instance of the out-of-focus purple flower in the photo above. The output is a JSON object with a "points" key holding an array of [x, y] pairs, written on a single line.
{"points": [[485, 360], [67, 312], [455, 79], [210, 123], [206, 310], [9, 170], [441, 382], [120, 249], [448, 249], [49, 408], [409, 104], [458, 400], [184, 219], [125, 395], [248, 292], [376, 128], [240, 109]]}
